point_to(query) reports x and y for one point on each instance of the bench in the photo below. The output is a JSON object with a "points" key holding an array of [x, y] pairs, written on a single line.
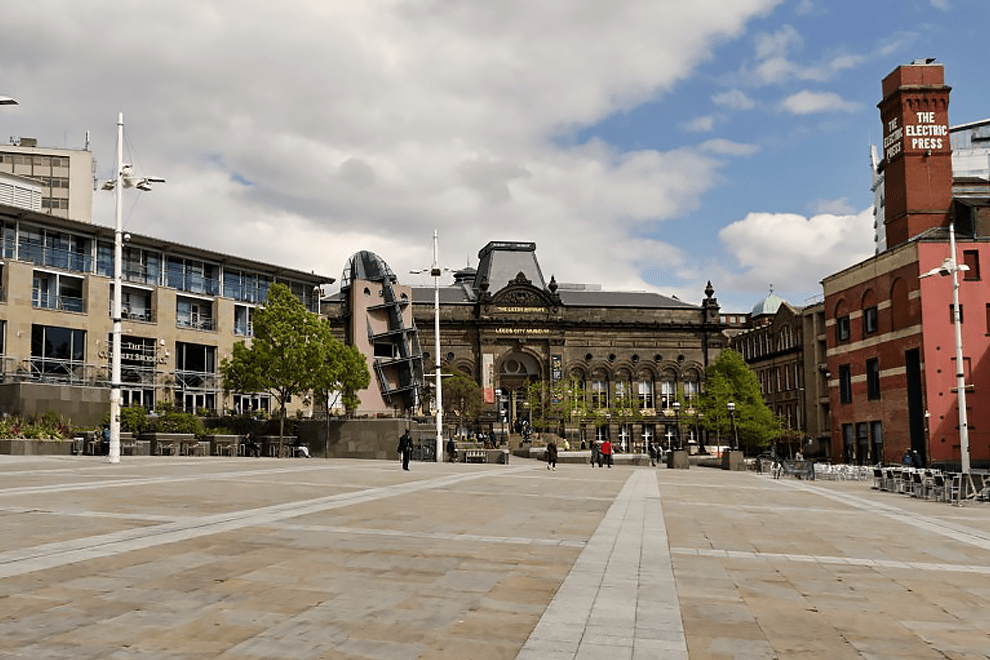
{"points": [[475, 456]]}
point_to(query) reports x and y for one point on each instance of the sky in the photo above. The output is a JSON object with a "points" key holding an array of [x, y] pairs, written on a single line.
{"points": [[641, 144]]}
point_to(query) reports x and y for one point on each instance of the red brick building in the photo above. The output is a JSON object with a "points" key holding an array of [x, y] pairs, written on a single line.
{"points": [[890, 335]]}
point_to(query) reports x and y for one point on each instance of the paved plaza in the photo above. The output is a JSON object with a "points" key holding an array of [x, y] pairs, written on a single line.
{"points": [[241, 558]]}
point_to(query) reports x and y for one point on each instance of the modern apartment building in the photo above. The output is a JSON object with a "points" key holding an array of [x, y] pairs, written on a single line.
{"points": [[65, 175], [183, 310]]}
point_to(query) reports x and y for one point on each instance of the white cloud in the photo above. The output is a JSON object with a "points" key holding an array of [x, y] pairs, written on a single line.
{"points": [[806, 102], [367, 124], [729, 148], [941, 4], [840, 206], [795, 252], [704, 124], [734, 99]]}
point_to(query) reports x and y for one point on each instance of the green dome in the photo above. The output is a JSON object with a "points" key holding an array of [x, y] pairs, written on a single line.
{"points": [[768, 306]]}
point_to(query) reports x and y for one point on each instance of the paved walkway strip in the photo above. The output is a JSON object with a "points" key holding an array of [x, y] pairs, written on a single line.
{"points": [[51, 555], [619, 601]]}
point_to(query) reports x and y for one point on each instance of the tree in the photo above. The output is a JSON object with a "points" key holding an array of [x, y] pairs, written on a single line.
{"points": [[292, 353], [462, 397], [727, 379], [348, 374]]}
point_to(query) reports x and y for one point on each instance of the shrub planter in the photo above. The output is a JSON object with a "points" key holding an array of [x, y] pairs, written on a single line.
{"points": [[31, 447]]}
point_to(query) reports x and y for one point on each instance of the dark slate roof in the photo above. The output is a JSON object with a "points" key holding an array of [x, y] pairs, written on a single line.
{"points": [[452, 295]]}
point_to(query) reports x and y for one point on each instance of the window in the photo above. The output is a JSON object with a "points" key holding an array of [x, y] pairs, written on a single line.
{"points": [[845, 384], [599, 394], [57, 353], [195, 376], [972, 259], [873, 378], [243, 321], [870, 321], [646, 392], [667, 391], [192, 313], [842, 327], [988, 318], [691, 390]]}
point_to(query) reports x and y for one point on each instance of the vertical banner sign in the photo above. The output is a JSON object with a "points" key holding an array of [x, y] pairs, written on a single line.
{"points": [[488, 376], [556, 375]]}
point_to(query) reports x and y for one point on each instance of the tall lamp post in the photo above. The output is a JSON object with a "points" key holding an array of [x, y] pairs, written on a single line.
{"points": [[676, 405], [6, 100], [732, 419], [122, 179], [951, 267], [435, 272]]}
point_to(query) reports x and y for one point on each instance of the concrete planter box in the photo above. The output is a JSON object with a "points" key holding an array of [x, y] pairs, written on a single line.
{"points": [[678, 460], [27, 447], [223, 445], [175, 444], [733, 460]]}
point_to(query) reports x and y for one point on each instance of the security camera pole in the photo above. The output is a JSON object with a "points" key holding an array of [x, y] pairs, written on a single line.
{"points": [[117, 184], [951, 267], [118, 257]]}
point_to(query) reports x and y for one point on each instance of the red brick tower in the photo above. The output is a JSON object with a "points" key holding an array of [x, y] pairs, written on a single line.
{"points": [[917, 155]]}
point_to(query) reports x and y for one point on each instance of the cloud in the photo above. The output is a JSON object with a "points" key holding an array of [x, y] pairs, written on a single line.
{"points": [[793, 251], [941, 4], [806, 102], [368, 124], [703, 124], [729, 148], [734, 99], [840, 206]]}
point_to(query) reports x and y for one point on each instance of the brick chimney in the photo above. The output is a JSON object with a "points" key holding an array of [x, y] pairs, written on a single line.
{"points": [[917, 155]]}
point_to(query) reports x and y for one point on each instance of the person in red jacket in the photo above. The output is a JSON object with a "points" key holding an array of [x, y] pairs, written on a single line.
{"points": [[607, 452]]}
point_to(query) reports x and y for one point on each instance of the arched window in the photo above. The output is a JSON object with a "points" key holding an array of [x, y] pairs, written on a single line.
{"points": [[668, 388]]}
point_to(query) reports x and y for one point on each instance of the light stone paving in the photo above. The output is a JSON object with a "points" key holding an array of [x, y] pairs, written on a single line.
{"points": [[244, 559]]}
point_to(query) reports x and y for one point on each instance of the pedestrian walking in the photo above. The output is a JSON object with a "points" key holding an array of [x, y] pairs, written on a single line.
{"points": [[405, 449], [606, 453], [595, 454], [552, 456], [451, 451]]}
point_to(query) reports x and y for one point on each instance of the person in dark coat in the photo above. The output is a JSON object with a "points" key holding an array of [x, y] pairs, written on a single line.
{"points": [[552, 456], [595, 454], [405, 448], [451, 451]]}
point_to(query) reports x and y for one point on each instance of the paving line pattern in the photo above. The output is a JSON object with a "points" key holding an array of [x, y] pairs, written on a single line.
{"points": [[51, 555], [619, 600]]}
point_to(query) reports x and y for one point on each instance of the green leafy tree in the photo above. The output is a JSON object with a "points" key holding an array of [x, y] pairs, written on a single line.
{"points": [[292, 353], [727, 379], [463, 398], [347, 373]]}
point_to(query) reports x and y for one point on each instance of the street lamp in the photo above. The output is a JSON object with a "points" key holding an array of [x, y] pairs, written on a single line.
{"points": [[732, 419], [122, 179], [951, 267], [6, 100], [676, 405], [435, 272]]}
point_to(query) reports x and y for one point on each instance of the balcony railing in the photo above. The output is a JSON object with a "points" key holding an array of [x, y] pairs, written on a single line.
{"points": [[244, 329], [196, 323], [42, 300], [54, 258]]}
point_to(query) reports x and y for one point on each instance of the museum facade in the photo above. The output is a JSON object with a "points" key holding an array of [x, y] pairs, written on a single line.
{"points": [[627, 365]]}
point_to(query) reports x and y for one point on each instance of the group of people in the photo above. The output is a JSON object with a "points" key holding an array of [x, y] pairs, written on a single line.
{"points": [[601, 453]]}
